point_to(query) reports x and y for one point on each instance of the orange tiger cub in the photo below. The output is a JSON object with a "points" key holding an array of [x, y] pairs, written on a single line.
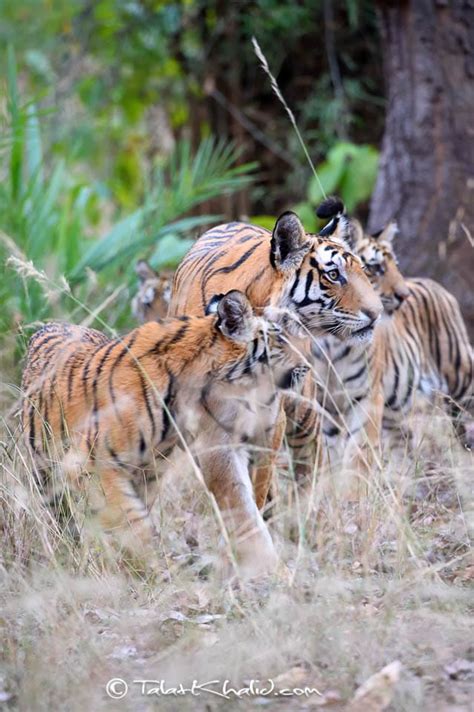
{"points": [[154, 292], [113, 406]]}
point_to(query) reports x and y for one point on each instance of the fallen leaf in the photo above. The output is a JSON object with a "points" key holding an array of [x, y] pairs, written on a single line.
{"points": [[294, 677], [377, 692], [207, 618], [174, 616]]}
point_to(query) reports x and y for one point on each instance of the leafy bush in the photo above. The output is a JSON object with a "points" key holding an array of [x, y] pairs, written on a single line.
{"points": [[349, 171], [47, 216], [179, 186]]}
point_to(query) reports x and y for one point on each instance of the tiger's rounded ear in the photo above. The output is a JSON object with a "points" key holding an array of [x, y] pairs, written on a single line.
{"points": [[236, 319], [388, 233], [289, 245], [338, 228], [144, 271]]}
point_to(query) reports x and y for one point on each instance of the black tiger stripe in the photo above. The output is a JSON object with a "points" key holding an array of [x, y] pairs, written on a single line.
{"points": [[31, 428], [357, 374], [295, 284], [51, 348], [141, 444], [35, 347], [209, 265], [117, 361], [393, 397], [305, 424], [167, 405], [86, 368], [332, 431], [70, 377], [146, 398], [228, 269]]}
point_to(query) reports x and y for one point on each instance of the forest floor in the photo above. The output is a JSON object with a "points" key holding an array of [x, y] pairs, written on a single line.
{"points": [[386, 580]]}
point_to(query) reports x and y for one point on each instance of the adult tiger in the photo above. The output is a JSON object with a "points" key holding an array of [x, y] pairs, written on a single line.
{"points": [[313, 285], [116, 405]]}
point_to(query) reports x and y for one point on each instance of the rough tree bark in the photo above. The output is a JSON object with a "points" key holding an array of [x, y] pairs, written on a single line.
{"points": [[426, 175]]}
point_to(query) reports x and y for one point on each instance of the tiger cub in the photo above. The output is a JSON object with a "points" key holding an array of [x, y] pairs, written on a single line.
{"points": [[154, 293], [115, 406], [421, 345]]}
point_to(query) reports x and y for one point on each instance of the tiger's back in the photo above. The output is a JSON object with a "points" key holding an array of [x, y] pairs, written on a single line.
{"points": [[435, 315], [431, 328], [225, 257]]}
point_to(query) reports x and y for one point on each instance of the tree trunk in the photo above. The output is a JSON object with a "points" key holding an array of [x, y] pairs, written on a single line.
{"points": [[426, 174]]}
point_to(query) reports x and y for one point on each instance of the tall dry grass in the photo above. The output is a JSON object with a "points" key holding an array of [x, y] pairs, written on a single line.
{"points": [[381, 578]]}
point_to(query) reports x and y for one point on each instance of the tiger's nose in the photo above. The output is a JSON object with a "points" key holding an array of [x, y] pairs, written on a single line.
{"points": [[372, 314]]}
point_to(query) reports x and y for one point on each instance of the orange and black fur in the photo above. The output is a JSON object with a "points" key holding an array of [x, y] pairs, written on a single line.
{"points": [[429, 342], [311, 285], [421, 344], [114, 406]]}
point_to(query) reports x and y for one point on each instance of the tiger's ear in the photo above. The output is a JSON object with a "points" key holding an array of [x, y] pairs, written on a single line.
{"points": [[388, 233], [356, 234], [289, 245], [338, 228], [236, 319], [144, 271]]}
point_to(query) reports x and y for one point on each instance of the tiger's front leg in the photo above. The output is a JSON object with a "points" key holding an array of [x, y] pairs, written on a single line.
{"points": [[264, 471], [226, 474], [302, 431], [367, 443], [126, 511]]}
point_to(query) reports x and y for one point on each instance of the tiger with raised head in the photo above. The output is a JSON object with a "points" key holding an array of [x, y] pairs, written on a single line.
{"points": [[312, 285], [421, 344], [116, 406]]}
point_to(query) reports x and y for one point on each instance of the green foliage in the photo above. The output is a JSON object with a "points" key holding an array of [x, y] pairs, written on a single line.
{"points": [[115, 61], [47, 216], [39, 205], [118, 84], [181, 184], [349, 171], [266, 221]]}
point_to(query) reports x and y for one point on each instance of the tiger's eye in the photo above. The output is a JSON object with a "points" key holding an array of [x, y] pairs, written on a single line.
{"points": [[333, 274]]}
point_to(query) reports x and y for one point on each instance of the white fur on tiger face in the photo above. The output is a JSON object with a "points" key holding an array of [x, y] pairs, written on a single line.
{"points": [[381, 264], [152, 300]]}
